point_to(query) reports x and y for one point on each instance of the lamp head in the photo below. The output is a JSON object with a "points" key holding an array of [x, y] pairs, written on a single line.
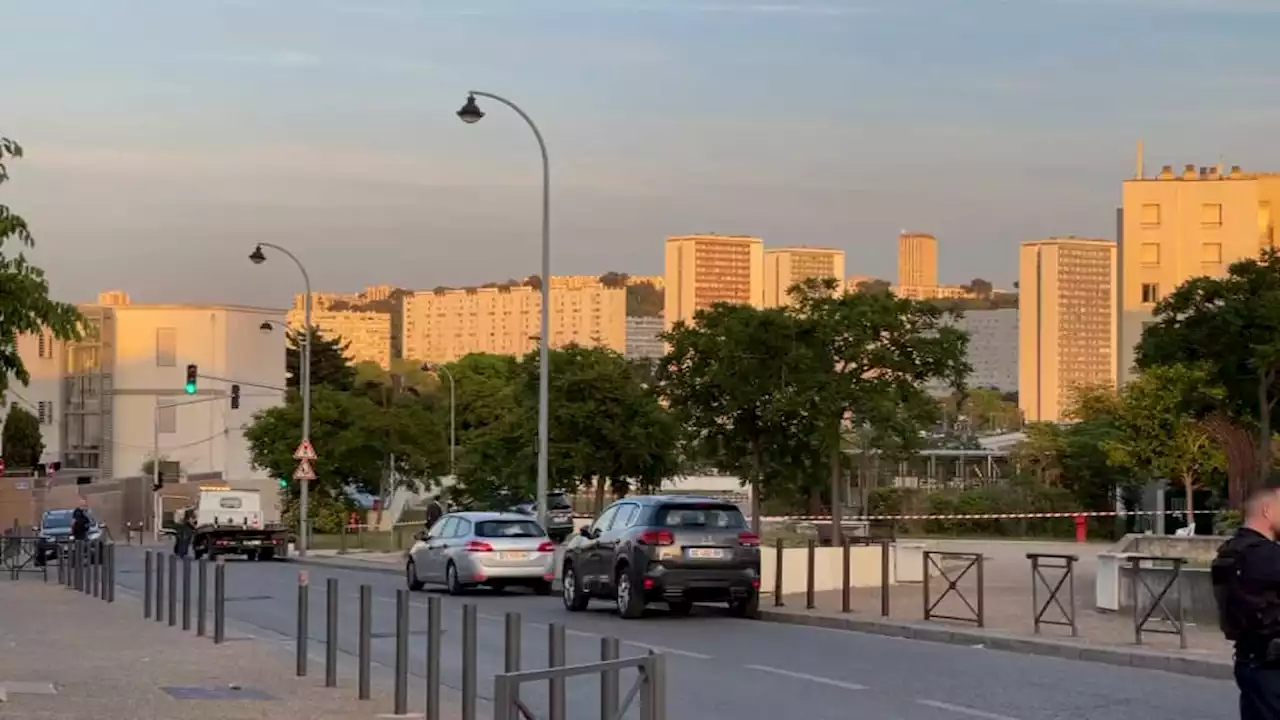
{"points": [[471, 112], [257, 256], [265, 327]]}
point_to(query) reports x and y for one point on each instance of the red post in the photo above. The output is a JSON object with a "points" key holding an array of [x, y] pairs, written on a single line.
{"points": [[353, 520], [1082, 528]]}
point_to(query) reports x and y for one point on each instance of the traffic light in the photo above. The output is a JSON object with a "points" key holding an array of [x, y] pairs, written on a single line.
{"points": [[192, 372], [284, 483], [235, 397]]}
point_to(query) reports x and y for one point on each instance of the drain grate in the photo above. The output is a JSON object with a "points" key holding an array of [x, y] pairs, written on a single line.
{"points": [[215, 693]]}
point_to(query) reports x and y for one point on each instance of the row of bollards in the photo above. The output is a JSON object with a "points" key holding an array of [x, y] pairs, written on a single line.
{"points": [[88, 567], [846, 584], [161, 593]]}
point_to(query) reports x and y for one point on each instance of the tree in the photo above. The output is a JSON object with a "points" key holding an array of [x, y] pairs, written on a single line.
{"points": [[729, 378], [25, 307], [329, 364], [1231, 327], [1159, 429], [22, 441], [873, 286], [979, 287], [868, 360], [613, 279], [644, 300]]}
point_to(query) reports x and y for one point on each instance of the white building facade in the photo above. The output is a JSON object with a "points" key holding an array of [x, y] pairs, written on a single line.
{"points": [[101, 400]]}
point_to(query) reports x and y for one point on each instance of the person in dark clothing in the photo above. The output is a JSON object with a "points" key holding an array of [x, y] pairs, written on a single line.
{"points": [[1246, 585], [183, 533], [434, 512], [80, 522]]}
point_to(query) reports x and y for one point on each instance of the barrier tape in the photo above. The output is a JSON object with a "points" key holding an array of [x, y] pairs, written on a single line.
{"points": [[991, 516]]}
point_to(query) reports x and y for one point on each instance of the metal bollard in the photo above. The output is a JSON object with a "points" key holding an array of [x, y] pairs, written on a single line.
{"points": [[982, 595], [202, 595], [159, 604], [884, 578], [79, 551], [366, 639], [845, 598], [304, 622], [331, 632], [609, 680], [777, 573], [147, 563], [556, 658], [173, 590], [402, 652], [219, 602], [62, 565], [809, 603], [512, 648], [186, 594], [111, 573], [95, 569], [468, 662], [435, 633]]}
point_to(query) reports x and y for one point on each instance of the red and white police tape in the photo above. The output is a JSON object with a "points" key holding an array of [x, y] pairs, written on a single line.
{"points": [[988, 516]]}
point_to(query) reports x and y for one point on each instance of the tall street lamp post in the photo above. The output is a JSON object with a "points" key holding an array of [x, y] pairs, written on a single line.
{"points": [[304, 385], [453, 422], [470, 114]]}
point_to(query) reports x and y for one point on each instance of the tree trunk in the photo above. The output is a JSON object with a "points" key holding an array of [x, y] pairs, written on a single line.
{"points": [[1240, 448], [1264, 431], [757, 461], [1188, 484], [598, 502], [837, 529]]}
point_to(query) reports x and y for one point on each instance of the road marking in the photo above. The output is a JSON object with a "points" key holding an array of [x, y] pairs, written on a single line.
{"points": [[661, 649], [963, 710], [806, 676]]}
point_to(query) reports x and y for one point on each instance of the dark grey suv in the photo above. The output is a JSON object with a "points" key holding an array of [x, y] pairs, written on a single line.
{"points": [[673, 549]]}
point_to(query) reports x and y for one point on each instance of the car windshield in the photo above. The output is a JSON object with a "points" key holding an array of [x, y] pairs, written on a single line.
{"points": [[558, 501], [508, 529], [725, 517], [58, 520]]}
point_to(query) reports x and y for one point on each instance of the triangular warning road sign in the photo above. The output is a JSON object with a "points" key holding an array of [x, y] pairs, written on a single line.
{"points": [[304, 451], [305, 471]]}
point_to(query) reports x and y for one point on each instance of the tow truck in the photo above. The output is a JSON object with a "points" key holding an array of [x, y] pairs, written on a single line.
{"points": [[229, 522]]}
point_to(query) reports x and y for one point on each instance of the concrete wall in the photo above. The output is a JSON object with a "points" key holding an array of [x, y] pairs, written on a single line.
{"points": [[864, 568]]}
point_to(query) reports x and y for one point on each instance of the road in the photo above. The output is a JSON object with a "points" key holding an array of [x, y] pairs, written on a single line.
{"points": [[721, 667]]}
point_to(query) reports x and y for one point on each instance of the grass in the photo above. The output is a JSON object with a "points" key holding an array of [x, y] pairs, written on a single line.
{"points": [[366, 540]]}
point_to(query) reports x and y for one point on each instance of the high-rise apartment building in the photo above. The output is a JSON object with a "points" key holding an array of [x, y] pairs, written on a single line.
{"points": [[784, 267], [1179, 225], [917, 260], [366, 333], [702, 270], [1066, 322], [443, 325]]}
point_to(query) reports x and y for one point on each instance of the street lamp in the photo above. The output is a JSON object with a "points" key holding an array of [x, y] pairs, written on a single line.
{"points": [[471, 114], [453, 405], [304, 382]]}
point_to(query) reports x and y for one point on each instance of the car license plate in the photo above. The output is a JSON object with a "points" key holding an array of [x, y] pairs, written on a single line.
{"points": [[514, 555], [706, 553], [254, 542]]}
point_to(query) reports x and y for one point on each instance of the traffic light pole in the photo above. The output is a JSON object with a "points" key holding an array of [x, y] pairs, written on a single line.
{"points": [[156, 510]]}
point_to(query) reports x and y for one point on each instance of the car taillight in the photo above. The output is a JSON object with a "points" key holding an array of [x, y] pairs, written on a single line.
{"points": [[748, 539], [477, 546], [547, 546], [656, 537]]}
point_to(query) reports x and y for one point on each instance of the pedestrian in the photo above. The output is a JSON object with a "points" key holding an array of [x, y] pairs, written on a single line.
{"points": [[80, 521], [183, 532], [1246, 585], [434, 512]]}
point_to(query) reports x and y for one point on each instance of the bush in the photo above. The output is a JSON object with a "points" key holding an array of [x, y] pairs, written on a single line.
{"points": [[1018, 498], [1226, 522]]}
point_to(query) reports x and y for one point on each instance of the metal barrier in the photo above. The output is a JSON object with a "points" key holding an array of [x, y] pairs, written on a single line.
{"points": [[1175, 622], [649, 687], [1040, 562], [87, 566], [886, 548], [971, 560]]}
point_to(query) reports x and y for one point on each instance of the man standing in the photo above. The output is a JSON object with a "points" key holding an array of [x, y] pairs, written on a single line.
{"points": [[80, 521], [1246, 585]]}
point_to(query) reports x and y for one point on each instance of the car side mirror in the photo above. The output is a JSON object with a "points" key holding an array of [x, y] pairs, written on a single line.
{"points": [[585, 531], [421, 536]]}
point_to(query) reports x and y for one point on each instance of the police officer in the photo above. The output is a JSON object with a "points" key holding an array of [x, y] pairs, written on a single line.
{"points": [[1246, 584]]}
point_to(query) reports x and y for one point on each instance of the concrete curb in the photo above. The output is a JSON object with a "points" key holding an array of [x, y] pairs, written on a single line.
{"points": [[345, 564], [995, 640]]}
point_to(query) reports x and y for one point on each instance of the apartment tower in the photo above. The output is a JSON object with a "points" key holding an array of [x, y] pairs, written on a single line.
{"points": [[917, 260], [1066, 322], [1179, 225], [702, 270], [784, 267]]}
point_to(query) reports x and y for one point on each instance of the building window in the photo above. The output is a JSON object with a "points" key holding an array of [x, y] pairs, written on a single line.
{"points": [[1151, 215], [166, 347], [44, 412], [1150, 253], [1211, 215], [45, 349], [1211, 253], [166, 418], [1150, 293]]}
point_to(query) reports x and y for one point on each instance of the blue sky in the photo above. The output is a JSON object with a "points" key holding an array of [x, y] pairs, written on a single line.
{"points": [[164, 138]]}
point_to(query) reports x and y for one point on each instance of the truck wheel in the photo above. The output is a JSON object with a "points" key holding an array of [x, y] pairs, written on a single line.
{"points": [[252, 555], [266, 555]]}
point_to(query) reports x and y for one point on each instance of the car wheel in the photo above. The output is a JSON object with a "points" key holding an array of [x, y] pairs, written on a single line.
{"points": [[452, 582], [629, 598], [574, 599], [680, 608], [411, 577], [747, 607]]}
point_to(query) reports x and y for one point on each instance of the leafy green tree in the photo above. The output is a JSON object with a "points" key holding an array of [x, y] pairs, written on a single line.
{"points": [[644, 300], [329, 364], [25, 307], [1160, 431], [23, 443], [873, 286], [1230, 326]]}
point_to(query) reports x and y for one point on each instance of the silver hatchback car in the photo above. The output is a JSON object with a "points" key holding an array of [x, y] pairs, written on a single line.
{"points": [[494, 549]]}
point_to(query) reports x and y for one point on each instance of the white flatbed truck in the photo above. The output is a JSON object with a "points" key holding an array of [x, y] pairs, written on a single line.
{"points": [[230, 522]]}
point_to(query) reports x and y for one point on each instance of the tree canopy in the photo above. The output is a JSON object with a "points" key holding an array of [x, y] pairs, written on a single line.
{"points": [[329, 364], [22, 441], [25, 306]]}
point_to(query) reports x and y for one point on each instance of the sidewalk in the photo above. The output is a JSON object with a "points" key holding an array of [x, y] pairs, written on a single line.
{"points": [[373, 561], [69, 655]]}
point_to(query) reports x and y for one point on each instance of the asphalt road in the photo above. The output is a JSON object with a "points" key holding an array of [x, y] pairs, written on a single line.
{"points": [[720, 667]]}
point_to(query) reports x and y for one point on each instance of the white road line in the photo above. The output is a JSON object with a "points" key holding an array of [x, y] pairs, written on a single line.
{"points": [[806, 676], [661, 649], [962, 710]]}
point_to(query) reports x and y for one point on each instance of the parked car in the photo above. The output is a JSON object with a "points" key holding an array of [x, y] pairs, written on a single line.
{"points": [[55, 530], [677, 550], [559, 514], [494, 549]]}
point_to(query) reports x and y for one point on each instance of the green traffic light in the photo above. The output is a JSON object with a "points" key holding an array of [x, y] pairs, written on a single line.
{"points": [[284, 482], [191, 388]]}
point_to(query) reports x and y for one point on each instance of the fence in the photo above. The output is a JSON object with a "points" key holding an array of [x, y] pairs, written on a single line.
{"points": [[88, 566]]}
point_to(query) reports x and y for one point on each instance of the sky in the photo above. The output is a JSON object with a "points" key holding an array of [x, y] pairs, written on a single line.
{"points": [[164, 139]]}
